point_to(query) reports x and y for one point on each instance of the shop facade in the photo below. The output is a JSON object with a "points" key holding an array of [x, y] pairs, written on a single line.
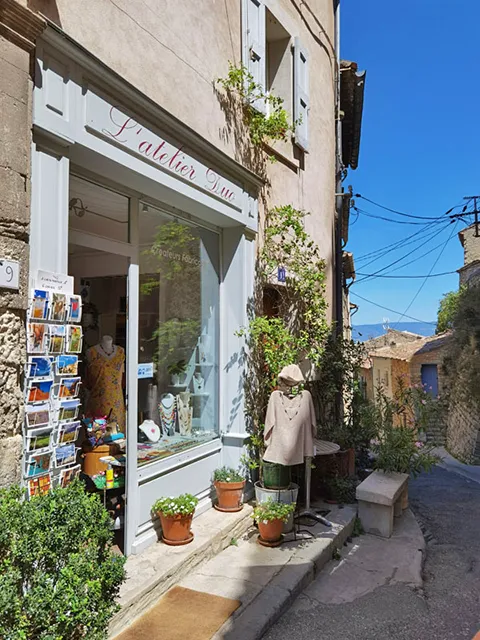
{"points": [[156, 229]]}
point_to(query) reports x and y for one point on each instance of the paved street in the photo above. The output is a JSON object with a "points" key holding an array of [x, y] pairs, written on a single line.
{"points": [[446, 608]]}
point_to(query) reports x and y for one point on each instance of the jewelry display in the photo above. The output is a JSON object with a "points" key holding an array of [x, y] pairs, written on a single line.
{"points": [[185, 413], [198, 382], [168, 414], [204, 343]]}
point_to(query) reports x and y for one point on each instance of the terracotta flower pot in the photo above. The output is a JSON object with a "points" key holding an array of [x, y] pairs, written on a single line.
{"points": [[229, 495], [270, 530], [176, 530]]}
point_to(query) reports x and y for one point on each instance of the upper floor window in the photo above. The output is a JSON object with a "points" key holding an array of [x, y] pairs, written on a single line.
{"points": [[278, 62]]}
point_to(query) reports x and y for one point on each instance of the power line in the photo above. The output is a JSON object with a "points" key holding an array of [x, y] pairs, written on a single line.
{"points": [[373, 215], [401, 213], [423, 239], [405, 256], [375, 304], [426, 278], [432, 275]]}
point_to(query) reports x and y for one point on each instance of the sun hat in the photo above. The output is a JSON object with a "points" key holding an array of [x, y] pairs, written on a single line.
{"points": [[291, 374]]}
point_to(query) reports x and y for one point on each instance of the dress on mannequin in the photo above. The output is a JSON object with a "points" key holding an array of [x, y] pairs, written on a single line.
{"points": [[290, 427], [105, 367]]}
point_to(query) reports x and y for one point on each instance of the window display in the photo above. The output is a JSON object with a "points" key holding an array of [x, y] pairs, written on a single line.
{"points": [[178, 325]]}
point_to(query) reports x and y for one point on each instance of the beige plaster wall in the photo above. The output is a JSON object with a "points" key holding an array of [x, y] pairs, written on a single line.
{"points": [[382, 375], [173, 50], [15, 140]]}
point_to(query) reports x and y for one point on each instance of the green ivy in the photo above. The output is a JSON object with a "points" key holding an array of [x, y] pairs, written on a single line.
{"points": [[59, 578], [275, 124]]}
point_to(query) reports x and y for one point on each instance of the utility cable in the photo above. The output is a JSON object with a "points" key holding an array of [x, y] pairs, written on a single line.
{"points": [[431, 275], [402, 266], [373, 215], [423, 239], [380, 306], [426, 278], [401, 213], [405, 256]]}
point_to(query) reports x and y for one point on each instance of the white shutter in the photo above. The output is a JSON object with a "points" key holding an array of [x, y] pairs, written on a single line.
{"points": [[253, 35], [301, 98]]}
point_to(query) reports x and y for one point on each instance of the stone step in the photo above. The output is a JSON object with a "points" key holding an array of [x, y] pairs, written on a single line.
{"points": [[266, 580], [153, 572]]}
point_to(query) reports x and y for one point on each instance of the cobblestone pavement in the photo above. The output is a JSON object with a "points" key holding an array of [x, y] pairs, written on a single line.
{"points": [[447, 506]]}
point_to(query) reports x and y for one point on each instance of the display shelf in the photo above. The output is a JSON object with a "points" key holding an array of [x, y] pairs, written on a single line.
{"points": [[178, 386], [205, 394], [204, 364]]}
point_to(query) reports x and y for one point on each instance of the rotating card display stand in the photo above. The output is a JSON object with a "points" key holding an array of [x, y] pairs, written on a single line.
{"points": [[51, 428]]}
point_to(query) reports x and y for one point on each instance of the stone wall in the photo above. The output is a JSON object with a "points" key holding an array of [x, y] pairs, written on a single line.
{"points": [[18, 27], [463, 425], [471, 245]]}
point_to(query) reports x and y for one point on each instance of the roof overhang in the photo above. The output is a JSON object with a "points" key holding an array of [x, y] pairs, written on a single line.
{"points": [[352, 88]]}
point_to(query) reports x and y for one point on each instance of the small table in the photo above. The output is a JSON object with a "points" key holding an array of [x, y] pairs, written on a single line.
{"points": [[321, 448]]}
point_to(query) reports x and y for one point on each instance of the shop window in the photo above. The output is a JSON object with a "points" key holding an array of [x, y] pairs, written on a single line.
{"points": [[178, 334], [95, 209]]}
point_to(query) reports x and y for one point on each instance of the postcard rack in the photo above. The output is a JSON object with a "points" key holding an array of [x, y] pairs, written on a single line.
{"points": [[51, 425]]}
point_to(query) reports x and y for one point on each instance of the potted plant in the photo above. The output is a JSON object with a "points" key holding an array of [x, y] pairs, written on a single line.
{"points": [[229, 485], [340, 490], [270, 517], [176, 516], [177, 372]]}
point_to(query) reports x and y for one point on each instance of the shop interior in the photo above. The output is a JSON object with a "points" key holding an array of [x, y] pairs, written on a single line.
{"points": [[177, 328]]}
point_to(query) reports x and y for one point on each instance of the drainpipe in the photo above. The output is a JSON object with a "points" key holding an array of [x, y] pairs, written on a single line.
{"points": [[338, 183]]}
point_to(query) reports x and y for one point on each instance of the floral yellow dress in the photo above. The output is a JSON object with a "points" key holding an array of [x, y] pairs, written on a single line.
{"points": [[104, 381]]}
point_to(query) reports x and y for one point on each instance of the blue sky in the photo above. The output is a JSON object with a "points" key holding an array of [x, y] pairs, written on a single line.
{"points": [[419, 150]]}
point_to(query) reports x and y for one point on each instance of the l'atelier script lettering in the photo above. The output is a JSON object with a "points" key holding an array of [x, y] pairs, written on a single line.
{"points": [[125, 131]]}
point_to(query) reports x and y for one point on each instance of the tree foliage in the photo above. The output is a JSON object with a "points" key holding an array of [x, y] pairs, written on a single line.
{"points": [[447, 310]]}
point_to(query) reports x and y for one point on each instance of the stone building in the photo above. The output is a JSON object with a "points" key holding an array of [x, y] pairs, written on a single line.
{"points": [[470, 272], [116, 145]]}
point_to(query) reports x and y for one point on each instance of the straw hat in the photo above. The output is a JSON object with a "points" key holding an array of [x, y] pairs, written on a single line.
{"points": [[291, 375]]}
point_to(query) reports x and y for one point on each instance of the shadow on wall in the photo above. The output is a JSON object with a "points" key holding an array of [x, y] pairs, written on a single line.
{"points": [[47, 8]]}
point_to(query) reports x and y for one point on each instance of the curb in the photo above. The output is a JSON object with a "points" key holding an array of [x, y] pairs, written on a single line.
{"points": [[278, 595]]}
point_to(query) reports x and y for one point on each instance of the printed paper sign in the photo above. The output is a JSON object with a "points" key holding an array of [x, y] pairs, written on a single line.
{"points": [[54, 282]]}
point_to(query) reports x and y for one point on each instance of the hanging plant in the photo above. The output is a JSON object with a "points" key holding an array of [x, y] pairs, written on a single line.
{"points": [[274, 124]]}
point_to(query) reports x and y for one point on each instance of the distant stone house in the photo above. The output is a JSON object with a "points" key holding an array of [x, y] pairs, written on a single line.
{"points": [[408, 357], [470, 272]]}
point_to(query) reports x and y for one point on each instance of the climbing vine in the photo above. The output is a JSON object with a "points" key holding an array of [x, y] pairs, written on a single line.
{"points": [[299, 330], [275, 124]]}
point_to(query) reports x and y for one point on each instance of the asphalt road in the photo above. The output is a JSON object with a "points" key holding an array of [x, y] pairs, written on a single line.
{"points": [[447, 506]]}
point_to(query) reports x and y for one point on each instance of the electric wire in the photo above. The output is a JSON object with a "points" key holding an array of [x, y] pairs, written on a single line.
{"points": [[422, 239], [401, 213], [380, 306], [402, 266], [373, 215], [402, 257], [431, 275], [426, 278]]}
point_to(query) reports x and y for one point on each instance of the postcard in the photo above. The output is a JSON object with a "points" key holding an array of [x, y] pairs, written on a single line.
{"points": [[67, 475], [39, 486], [39, 306], [74, 339], [66, 365], [38, 439], [56, 343], [75, 309], [36, 337], [65, 454], [37, 415], [39, 367], [68, 410], [59, 307], [69, 432], [69, 387], [38, 464], [39, 391]]}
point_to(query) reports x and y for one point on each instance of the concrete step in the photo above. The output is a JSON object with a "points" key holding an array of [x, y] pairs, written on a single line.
{"points": [[265, 580], [153, 572]]}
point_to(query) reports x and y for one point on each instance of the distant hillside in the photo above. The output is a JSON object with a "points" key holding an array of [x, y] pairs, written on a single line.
{"points": [[362, 332]]}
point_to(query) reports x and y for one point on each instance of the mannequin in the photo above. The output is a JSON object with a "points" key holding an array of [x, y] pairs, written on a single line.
{"points": [[290, 428], [105, 368], [290, 423]]}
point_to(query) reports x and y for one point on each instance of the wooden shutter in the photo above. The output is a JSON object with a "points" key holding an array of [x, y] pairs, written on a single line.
{"points": [[301, 98], [253, 36]]}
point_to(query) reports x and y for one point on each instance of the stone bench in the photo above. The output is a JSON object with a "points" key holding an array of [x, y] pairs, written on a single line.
{"points": [[379, 499]]}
